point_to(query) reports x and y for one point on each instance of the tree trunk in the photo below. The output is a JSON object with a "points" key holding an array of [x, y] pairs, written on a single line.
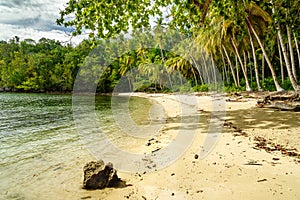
{"points": [[250, 67], [225, 68], [198, 70], [214, 70], [237, 71], [207, 79], [204, 11], [195, 77], [245, 63], [248, 88], [230, 65], [263, 68], [278, 88], [163, 61], [287, 62], [259, 88], [297, 48], [291, 51], [280, 60]]}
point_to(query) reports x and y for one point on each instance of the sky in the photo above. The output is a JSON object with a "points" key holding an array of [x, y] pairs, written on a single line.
{"points": [[33, 19]]}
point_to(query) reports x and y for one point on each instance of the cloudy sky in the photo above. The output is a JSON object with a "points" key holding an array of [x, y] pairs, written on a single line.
{"points": [[32, 19]]}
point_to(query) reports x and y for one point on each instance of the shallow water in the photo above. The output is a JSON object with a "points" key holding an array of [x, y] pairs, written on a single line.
{"points": [[41, 153]]}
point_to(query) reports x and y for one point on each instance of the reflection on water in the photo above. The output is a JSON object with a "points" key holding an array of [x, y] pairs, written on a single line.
{"points": [[41, 155]]}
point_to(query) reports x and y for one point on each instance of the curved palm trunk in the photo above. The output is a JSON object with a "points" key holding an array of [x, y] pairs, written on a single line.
{"points": [[248, 88], [230, 65], [198, 70], [286, 59], [280, 61], [297, 48], [250, 65], [263, 69], [291, 51], [207, 79], [245, 63], [237, 70], [163, 61], [225, 76], [194, 74], [214, 69], [278, 87], [255, 61]]}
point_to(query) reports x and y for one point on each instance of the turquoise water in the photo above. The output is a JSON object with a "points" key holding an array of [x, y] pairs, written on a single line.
{"points": [[41, 154]]}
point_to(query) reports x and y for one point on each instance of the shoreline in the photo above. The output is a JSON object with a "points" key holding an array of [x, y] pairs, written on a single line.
{"points": [[236, 168]]}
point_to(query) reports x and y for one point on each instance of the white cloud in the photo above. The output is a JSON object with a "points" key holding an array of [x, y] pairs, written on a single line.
{"points": [[25, 33], [32, 19]]}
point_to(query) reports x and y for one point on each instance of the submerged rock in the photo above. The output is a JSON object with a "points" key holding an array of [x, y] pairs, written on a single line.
{"points": [[97, 175]]}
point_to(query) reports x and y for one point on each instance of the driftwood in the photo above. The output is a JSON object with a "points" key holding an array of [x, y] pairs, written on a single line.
{"points": [[281, 100]]}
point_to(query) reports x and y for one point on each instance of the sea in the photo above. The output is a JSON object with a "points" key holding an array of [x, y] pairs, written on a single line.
{"points": [[41, 150]]}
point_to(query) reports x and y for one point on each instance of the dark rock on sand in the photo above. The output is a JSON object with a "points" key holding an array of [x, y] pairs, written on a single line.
{"points": [[97, 175]]}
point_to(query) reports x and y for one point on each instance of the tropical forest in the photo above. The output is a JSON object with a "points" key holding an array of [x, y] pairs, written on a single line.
{"points": [[254, 45]]}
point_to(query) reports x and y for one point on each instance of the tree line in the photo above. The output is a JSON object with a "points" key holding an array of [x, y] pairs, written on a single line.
{"points": [[46, 65], [253, 44]]}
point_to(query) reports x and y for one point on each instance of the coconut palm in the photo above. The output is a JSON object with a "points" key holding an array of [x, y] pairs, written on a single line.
{"points": [[255, 13]]}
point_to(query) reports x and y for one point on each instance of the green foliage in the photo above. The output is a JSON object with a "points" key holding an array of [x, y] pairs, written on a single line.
{"points": [[268, 84], [201, 88], [47, 65], [231, 88], [185, 88], [216, 25], [103, 19], [287, 85], [43, 66]]}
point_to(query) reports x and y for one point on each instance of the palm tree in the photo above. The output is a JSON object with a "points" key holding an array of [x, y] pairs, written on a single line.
{"points": [[287, 62], [283, 48], [255, 60], [248, 88], [255, 11], [230, 65]]}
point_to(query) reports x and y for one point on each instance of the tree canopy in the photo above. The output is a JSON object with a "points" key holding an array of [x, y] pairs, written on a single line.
{"points": [[254, 44]]}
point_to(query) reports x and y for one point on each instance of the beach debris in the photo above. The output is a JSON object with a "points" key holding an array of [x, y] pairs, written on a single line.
{"points": [[269, 146], [196, 156], [281, 100], [129, 195], [86, 197], [97, 175], [237, 99], [157, 149], [253, 162], [148, 162], [261, 180], [237, 131]]}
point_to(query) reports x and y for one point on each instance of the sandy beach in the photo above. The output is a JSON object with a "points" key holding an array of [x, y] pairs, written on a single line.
{"points": [[255, 157], [235, 169]]}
